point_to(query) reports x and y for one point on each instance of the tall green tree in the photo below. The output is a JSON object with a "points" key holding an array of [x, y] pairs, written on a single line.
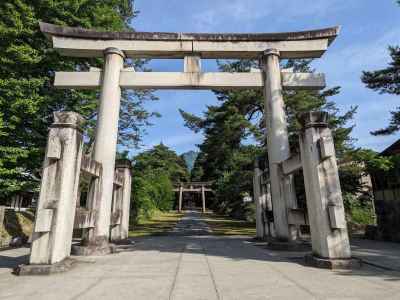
{"points": [[155, 171], [27, 66], [387, 81], [161, 158]]}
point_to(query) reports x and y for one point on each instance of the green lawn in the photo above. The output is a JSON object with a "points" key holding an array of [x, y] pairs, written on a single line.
{"points": [[225, 225], [159, 224]]}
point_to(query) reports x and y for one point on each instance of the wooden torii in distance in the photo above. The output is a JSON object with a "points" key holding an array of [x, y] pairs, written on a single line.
{"points": [[194, 187]]}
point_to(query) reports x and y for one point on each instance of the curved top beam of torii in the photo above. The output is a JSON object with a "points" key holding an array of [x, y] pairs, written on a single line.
{"points": [[73, 41]]}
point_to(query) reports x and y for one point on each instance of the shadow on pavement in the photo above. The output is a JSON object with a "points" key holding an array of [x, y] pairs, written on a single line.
{"points": [[192, 235], [10, 262]]}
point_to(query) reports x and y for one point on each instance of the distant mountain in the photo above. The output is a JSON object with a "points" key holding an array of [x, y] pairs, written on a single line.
{"points": [[190, 158]]}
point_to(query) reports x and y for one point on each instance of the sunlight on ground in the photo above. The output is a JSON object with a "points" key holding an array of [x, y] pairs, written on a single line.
{"points": [[18, 224], [159, 224], [224, 225]]}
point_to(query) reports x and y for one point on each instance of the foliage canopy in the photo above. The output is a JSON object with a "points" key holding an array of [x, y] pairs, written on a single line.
{"points": [[27, 66]]}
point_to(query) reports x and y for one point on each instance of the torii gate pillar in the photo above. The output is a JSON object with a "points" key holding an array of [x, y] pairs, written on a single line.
{"points": [[180, 198], [203, 199], [282, 190], [106, 141]]}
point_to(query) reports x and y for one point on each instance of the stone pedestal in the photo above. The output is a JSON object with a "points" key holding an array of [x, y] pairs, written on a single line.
{"points": [[282, 191], [332, 264], [260, 203], [106, 144], [93, 247], [44, 269], [330, 241], [52, 233]]}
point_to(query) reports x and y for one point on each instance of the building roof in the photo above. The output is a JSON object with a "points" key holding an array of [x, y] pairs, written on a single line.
{"points": [[392, 149]]}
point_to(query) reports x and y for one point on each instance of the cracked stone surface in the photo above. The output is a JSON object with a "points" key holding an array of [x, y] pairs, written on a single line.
{"points": [[190, 263]]}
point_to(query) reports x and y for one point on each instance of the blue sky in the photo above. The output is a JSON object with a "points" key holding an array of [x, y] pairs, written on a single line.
{"points": [[368, 27]]}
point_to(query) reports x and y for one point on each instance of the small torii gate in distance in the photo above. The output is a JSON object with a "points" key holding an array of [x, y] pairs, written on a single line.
{"points": [[268, 48], [193, 187]]}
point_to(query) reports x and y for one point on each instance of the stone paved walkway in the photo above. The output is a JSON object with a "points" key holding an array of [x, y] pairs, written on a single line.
{"points": [[191, 264]]}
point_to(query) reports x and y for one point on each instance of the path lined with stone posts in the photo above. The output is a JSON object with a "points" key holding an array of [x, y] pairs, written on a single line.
{"points": [[191, 263]]}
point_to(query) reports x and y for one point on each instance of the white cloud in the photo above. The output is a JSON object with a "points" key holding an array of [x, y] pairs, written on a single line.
{"points": [[356, 57], [274, 11]]}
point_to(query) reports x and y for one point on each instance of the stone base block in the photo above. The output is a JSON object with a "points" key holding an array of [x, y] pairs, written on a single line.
{"points": [[62, 266], [95, 250], [332, 264], [288, 246]]}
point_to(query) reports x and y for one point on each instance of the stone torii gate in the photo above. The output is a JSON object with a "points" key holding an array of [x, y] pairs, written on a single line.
{"points": [[193, 187], [115, 47]]}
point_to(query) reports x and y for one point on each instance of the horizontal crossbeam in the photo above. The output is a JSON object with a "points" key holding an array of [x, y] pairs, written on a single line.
{"points": [[81, 42], [180, 80], [179, 49], [84, 218], [193, 190], [90, 167], [291, 165]]}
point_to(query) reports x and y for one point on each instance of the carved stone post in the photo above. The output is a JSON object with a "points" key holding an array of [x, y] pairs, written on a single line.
{"points": [[180, 198], [203, 198], [116, 211], [330, 241], [258, 199], [268, 218], [52, 234], [121, 232], [106, 143], [282, 191]]}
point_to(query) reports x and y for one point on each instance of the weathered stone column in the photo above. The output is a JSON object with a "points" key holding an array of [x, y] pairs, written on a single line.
{"points": [[2, 213], [54, 222], [203, 198], [266, 199], [180, 198], [282, 191], [124, 167], [116, 212], [106, 141], [258, 199], [330, 241]]}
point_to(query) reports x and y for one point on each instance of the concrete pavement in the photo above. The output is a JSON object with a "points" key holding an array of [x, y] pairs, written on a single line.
{"points": [[189, 263]]}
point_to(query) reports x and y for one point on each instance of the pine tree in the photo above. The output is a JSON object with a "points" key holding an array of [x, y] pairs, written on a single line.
{"points": [[386, 81], [161, 158]]}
